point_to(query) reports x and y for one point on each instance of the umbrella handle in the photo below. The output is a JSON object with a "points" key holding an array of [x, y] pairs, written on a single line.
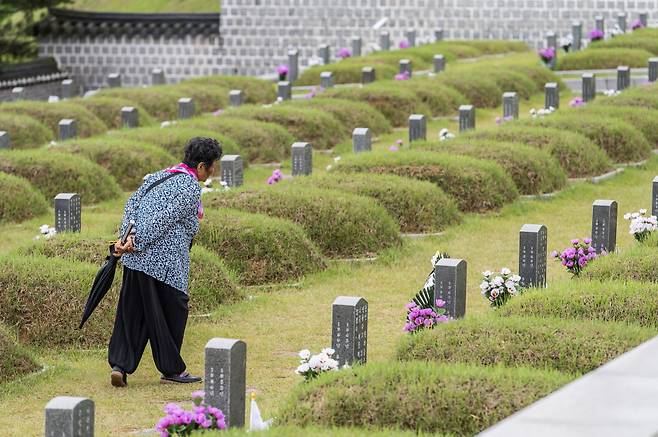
{"points": [[131, 226]]}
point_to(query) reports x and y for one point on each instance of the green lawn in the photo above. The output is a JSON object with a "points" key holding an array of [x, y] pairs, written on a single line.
{"points": [[144, 6]]}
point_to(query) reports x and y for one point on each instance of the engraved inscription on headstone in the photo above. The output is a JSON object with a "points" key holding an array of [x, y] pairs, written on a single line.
{"points": [[302, 159], [623, 77], [577, 35], [284, 90], [293, 65], [604, 226], [326, 80], [450, 285], [653, 69], [226, 377], [417, 128], [368, 75], [158, 77], [385, 41], [357, 43], [361, 140], [68, 128], [5, 143], [68, 212], [510, 105], [589, 87], [439, 63], [231, 170], [552, 95], [533, 246], [129, 117], [114, 80], [466, 117], [235, 98], [185, 108], [349, 330], [70, 417]]}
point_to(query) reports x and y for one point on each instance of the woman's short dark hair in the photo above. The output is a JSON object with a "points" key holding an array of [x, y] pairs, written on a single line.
{"points": [[201, 149]]}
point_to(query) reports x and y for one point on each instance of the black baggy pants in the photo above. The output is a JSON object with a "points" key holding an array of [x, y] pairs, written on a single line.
{"points": [[148, 310]]}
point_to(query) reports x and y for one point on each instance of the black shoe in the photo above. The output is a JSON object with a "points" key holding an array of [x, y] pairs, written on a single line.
{"points": [[118, 377], [183, 378]]}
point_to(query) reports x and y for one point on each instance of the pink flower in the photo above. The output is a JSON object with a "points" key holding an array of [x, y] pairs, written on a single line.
{"points": [[403, 76], [440, 303], [282, 69], [218, 112], [344, 53], [393, 149], [596, 35], [404, 44]]}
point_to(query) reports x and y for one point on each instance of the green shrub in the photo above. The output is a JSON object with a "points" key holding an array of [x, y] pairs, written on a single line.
{"points": [[492, 46], [206, 98], [291, 431], [160, 101], [128, 161], [417, 206], [19, 200], [442, 100], [14, 360], [629, 41], [410, 395], [451, 50], [108, 110], [253, 90], [308, 125], [509, 80], [533, 171], [478, 89], [620, 140], [54, 173], [350, 114], [604, 58], [50, 114], [643, 119], [259, 141], [639, 263], [347, 71], [24, 132], [475, 184], [395, 104], [540, 75], [547, 343], [341, 224], [258, 248], [174, 139], [642, 97], [577, 154], [612, 301]]}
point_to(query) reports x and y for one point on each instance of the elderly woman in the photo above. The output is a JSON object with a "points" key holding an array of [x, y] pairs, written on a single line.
{"points": [[165, 211]]}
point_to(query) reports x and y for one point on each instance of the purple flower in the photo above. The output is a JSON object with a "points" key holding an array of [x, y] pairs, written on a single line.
{"points": [[547, 54], [499, 120], [393, 148], [404, 44], [554, 254], [344, 53], [276, 174], [172, 408], [440, 303], [637, 24], [575, 241], [271, 181], [587, 240], [596, 35], [398, 142], [282, 69], [576, 102], [218, 112], [198, 394], [402, 76], [410, 305]]}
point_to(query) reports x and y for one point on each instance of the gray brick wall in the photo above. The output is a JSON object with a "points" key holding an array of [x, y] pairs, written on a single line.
{"points": [[34, 92], [256, 34]]}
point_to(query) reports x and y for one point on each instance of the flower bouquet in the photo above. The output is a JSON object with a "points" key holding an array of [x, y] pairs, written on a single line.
{"points": [[282, 71], [423, 311], [596, 35], [179, 422], [547, 55], [311, 366], [498, 289], [576, 257], [641, 225]]}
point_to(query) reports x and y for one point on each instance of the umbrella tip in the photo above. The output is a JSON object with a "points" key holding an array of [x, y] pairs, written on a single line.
{"points": [[253, 396]]}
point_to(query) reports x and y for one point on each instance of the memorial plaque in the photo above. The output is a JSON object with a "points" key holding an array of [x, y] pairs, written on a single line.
{"points": [[326, 80], [385, 41], [533, 246], [114, 80], [158, 77], [411, 37], [68, 212], [5, 142], [439, 63], [226, 377], [577, 34], [302, 159], [357, 44], [293, 65], [68, 89], [510, 105], [653, 69], [450, 286], [361, 140], [284, 90], [466, 117], [368, 75], [185, 108], [324, 53], [438, 35], [236, 98], [654, 197], [129, 117], [232, 170], [604, 226], [623, 77], [621, 21], [406, 67], [589, 87], [417, 128], [552, 95], [70, 417], [68, 128], [349, 330]]}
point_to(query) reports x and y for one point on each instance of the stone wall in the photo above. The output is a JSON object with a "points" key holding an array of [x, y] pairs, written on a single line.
{"points": [[40, 91], [257, 33]]}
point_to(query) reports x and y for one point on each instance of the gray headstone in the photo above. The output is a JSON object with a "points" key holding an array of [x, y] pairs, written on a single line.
{"points": [[510, 105], [589, 87], [293, 65], [644, 19], [653, 69], [438, 35], [68, 128], [439, 63], [654, 197], [324, 53], [450, 285], [232, 170], [368, 75], [385, 41], [302, 159], [533, 246], [577, 34], [17, 93], [5, 143], [552, 95], [68, 89], [284, 90], [551, 40], [114, 80], [599, 23], [226, 378], [621, 21], [70, 417], [357, 44], [466, 117], [411, 37], [623, 77], [185, 108], [326, 80], [405, 66], [129, 117], [68, 212], [604, 225], [158, 77], [417, 128], [235, 98], [361, 140], [349, 330]]}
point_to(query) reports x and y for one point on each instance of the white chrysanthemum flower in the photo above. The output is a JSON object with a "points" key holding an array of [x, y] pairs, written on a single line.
{"points": [[498, 281], [505, 271], [304, 354], [487, 273], [643, 211], [635, 215], [328, 351], [303, 368], [329, 167], [484, 285], [516, 278], [337, 158], [627, 216], [44, 229]]}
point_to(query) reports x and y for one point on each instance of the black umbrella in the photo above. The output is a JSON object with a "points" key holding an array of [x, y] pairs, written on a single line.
{"points": [[103, 280]]}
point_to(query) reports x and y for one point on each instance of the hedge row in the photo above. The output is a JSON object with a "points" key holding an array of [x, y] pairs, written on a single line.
{"points": [[604, 58], [547, 343], [19, 200], [643, 119], [253, 90], [350, 114], [24, 131], [14, 360], [108, 110], [441, 100]]}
